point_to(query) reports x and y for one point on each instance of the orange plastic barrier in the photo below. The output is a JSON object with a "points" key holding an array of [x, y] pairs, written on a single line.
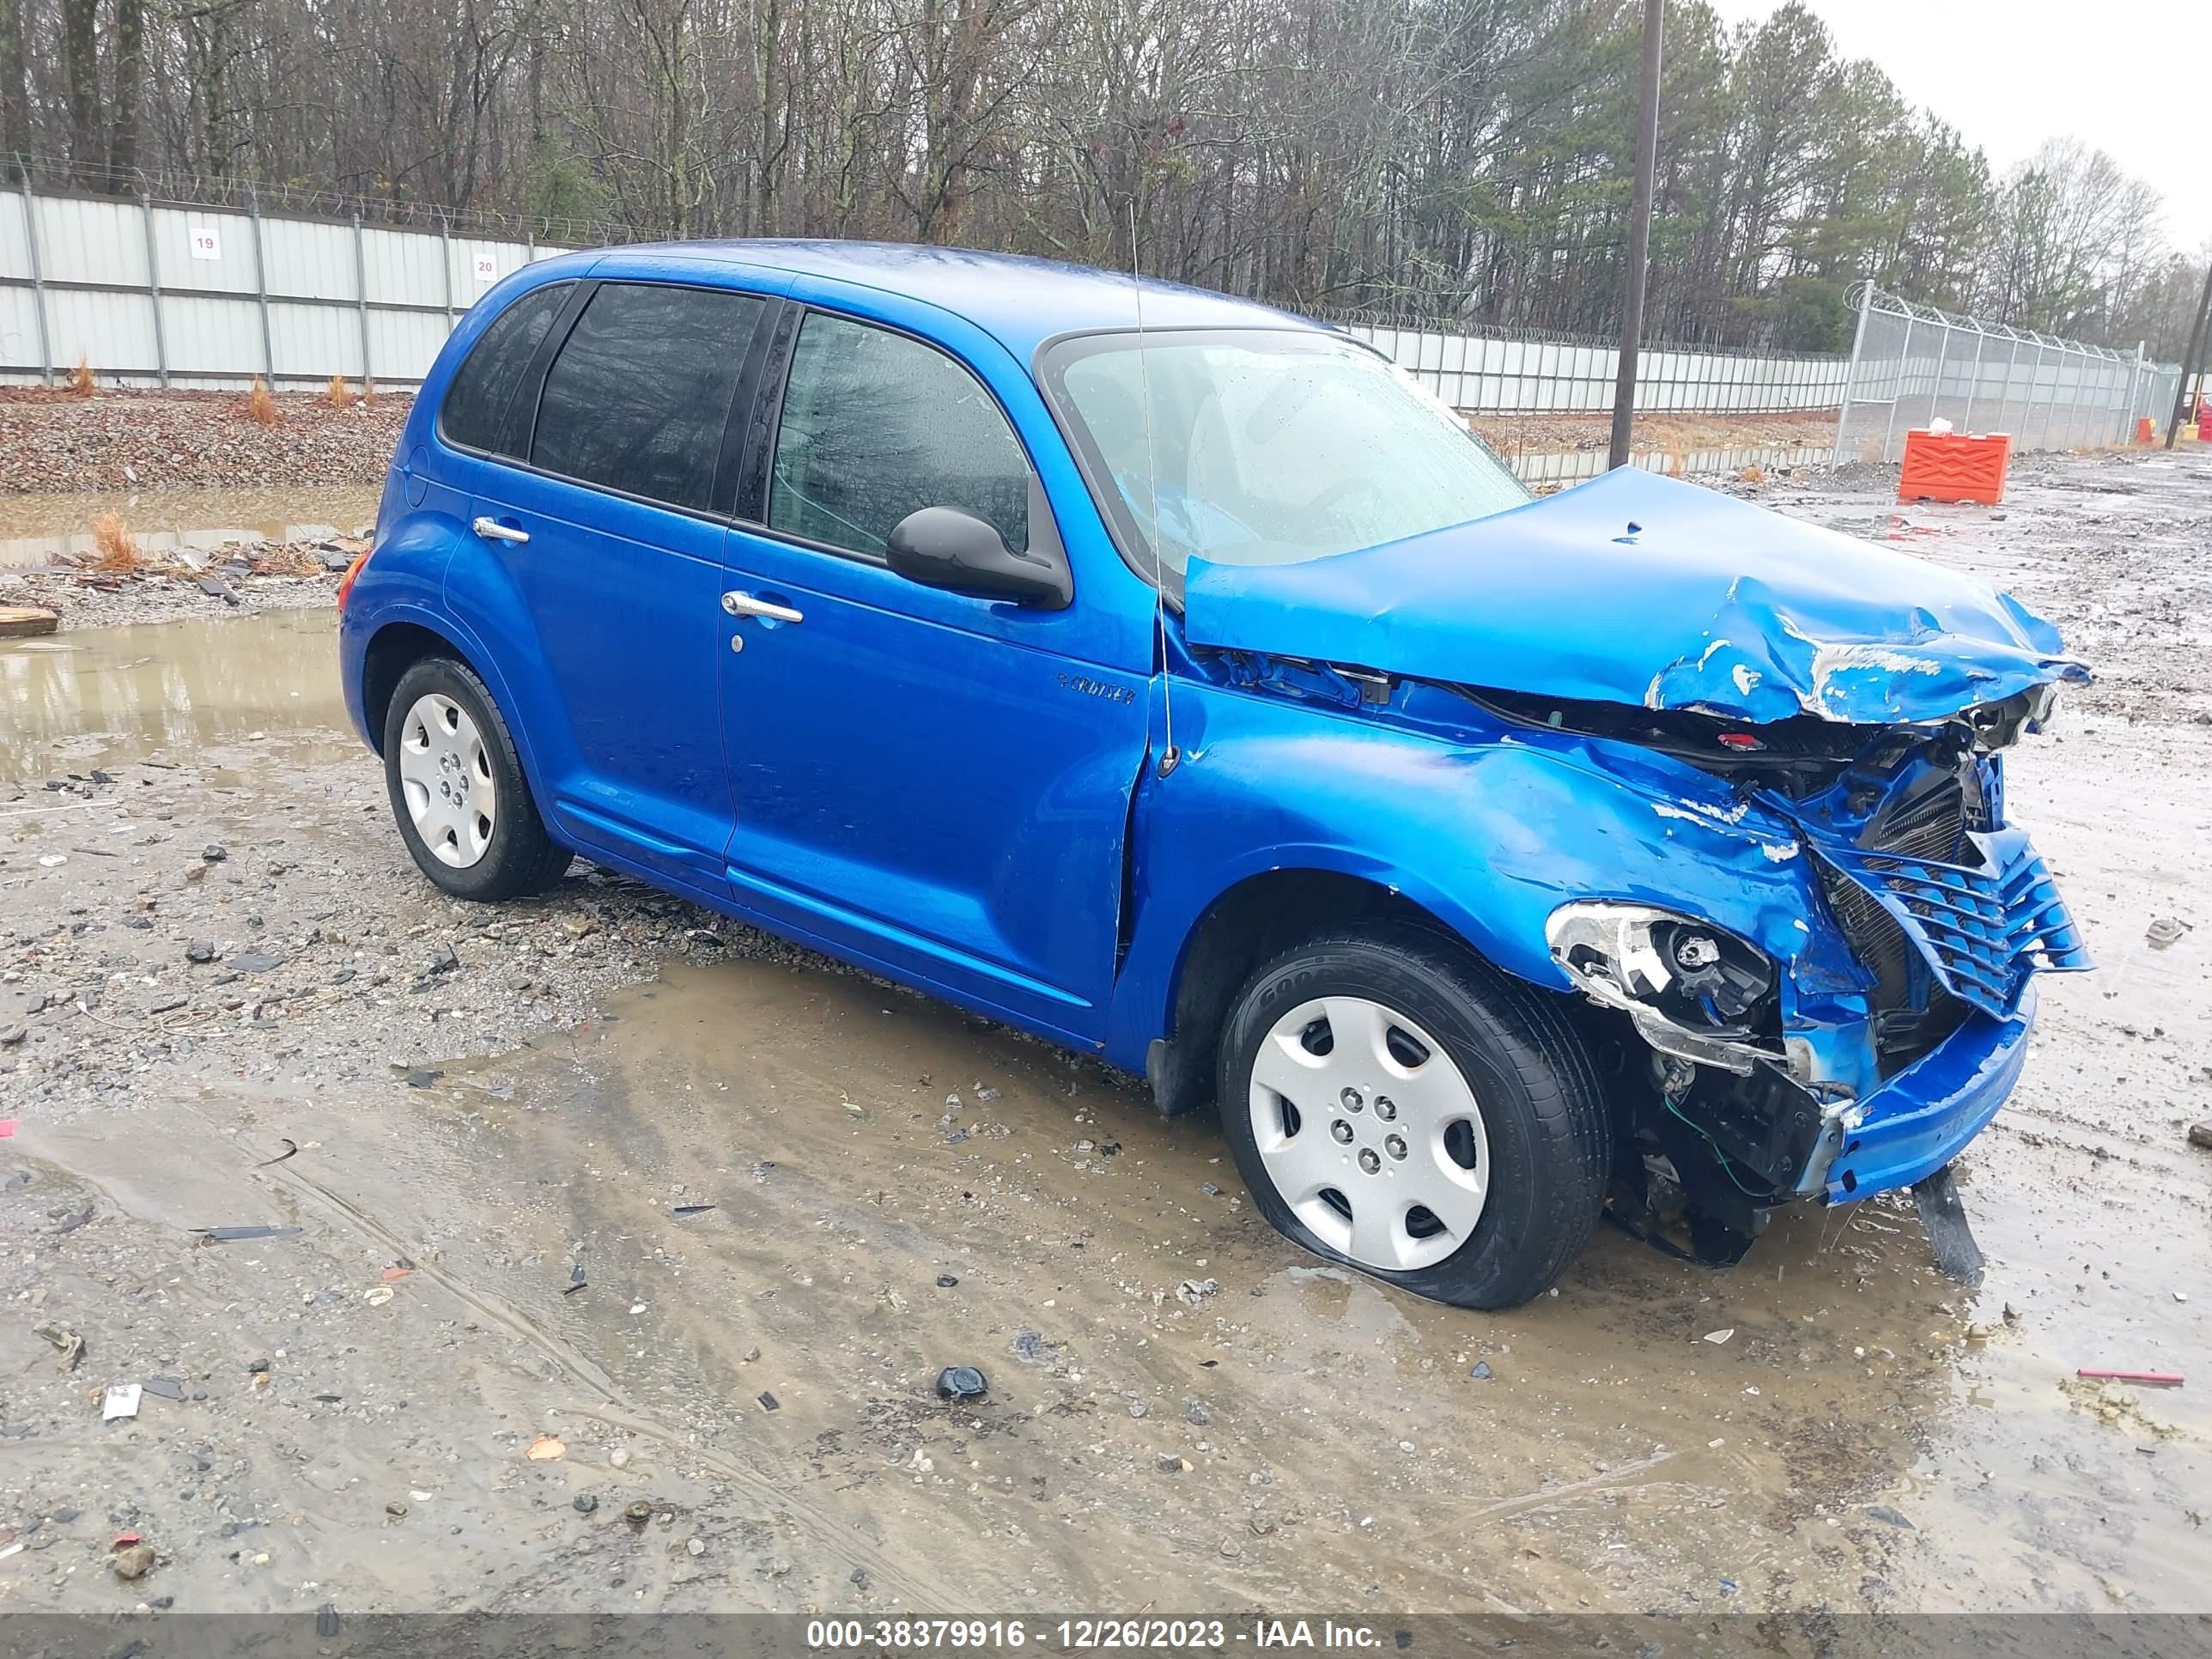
{"points": [[2145, 429], [1952, 466]]}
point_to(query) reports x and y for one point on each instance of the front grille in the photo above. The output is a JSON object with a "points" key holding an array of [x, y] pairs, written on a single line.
{"points": [[1929, 823], [1981, 930]]}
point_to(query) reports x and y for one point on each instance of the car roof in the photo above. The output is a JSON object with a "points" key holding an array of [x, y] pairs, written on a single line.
{"points": [[1023, 302]]}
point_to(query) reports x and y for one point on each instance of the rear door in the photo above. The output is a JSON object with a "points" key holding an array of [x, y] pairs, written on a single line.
{"points": [[935, 783], [605, 520]]}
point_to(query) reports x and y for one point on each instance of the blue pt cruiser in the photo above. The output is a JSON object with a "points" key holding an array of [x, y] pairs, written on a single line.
{"points": [[1176, 680]]}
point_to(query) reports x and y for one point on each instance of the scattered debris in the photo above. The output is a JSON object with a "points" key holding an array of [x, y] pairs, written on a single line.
{"points": [[1720, 1336], [769, 1402], [575, 1280], [2165, 930], [691, 1209], [638, 1513], [1889, 1516], [121, 1400], [1481, 1373], [377, 1295], [1191, 1292], [19, 621], [291, 1147], [233, 1234], [547, 1447], [958, 1382], [393, 1274], [136, 1562], [422, 1079], [1209, 1189], [165, 1388], [946, 1281], [2200, 1134], [584, 1503], [2150, 1379]]}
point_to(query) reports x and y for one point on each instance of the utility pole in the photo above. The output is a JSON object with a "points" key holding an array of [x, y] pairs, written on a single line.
{"points": [[1639, 240], [2194, 355]]}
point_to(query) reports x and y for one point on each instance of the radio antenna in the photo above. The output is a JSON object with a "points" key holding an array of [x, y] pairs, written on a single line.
{"points": [[1170, 756]]}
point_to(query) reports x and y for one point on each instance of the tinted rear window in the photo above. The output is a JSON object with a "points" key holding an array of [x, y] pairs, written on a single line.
{"points": [[637, 398], [476, 403]]}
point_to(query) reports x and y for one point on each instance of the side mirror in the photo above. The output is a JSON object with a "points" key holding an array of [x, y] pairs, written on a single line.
{"points": [[943, 547]]}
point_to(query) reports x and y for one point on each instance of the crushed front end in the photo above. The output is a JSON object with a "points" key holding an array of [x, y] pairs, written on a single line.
{"points": [[1867, 1059]]}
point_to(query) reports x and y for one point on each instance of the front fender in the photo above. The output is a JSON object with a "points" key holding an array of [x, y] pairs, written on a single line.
{"points": [[1488, 829]]}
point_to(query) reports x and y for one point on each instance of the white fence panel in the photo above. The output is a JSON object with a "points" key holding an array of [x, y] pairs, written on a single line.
{"points": [[1511, 376], [166, 294]]}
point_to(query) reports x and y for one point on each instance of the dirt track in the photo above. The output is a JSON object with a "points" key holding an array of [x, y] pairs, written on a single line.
{"points": [[1183, 1411]]}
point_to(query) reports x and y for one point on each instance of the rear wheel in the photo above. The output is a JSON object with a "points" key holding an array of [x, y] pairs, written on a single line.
{"points": [[1394, 1104], [463, 806]]}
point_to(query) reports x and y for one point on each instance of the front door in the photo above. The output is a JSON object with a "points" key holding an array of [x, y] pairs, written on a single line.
{"points": [[607, 535], [927, 780]]}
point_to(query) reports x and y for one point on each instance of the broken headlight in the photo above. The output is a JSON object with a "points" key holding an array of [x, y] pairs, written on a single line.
{"points": [[1693, 990]]}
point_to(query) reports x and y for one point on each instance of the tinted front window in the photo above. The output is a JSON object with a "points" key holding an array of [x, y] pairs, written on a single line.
{"points": [[637, 399], [876, 426], [476, 403]]}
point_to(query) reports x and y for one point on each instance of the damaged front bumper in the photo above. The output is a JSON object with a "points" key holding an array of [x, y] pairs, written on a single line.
{"points": [[1899, 1019], [1915, 1122]]}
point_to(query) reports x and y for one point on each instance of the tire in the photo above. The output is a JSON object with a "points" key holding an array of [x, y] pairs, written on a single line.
{"points": [[1537, 1142], [484, 841]]}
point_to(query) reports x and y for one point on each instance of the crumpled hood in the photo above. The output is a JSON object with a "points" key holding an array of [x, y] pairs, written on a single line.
{"points": [[1636, 588]]}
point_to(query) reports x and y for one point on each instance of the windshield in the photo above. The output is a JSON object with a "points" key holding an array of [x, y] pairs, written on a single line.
{"points": [[1266, 446]]}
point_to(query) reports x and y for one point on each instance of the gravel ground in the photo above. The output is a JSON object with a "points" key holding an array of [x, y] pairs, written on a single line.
{"points": [[503, 1124], [114, 440]]}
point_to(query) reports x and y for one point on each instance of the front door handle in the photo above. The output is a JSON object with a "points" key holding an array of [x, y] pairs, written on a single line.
{"points": [[493, 531], [744, 604]]}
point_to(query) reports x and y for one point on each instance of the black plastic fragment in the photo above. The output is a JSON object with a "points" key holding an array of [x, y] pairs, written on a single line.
{"points": [[1957, 1255], [958, 1382]]}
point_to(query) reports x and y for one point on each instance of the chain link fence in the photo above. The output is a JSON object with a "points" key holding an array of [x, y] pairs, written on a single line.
{"points": [[1911, 364]]}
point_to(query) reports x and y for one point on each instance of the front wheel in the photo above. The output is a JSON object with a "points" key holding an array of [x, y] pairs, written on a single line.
{"points": [[1397, 1105]]}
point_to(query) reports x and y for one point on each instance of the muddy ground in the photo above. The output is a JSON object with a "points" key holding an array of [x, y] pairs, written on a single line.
{"points": [[490, 1127]]}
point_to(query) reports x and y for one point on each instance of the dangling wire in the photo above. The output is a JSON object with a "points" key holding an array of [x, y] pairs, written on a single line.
{"points": [[1170, 757]]}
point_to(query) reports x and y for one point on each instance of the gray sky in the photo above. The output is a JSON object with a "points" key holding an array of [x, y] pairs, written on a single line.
{"points": [[2130, 77]]}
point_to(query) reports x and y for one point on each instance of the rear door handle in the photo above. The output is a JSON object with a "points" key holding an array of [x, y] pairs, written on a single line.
{"points": [[493, 531], [744, 604]]}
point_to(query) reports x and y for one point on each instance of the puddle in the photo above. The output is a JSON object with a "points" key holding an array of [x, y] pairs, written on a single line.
{"points": [[40, 526], [172, 690], [1607, 1455]]}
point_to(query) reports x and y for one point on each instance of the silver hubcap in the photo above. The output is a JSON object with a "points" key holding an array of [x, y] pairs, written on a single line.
{"points": [[1370, 1134], [445, 772]]}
